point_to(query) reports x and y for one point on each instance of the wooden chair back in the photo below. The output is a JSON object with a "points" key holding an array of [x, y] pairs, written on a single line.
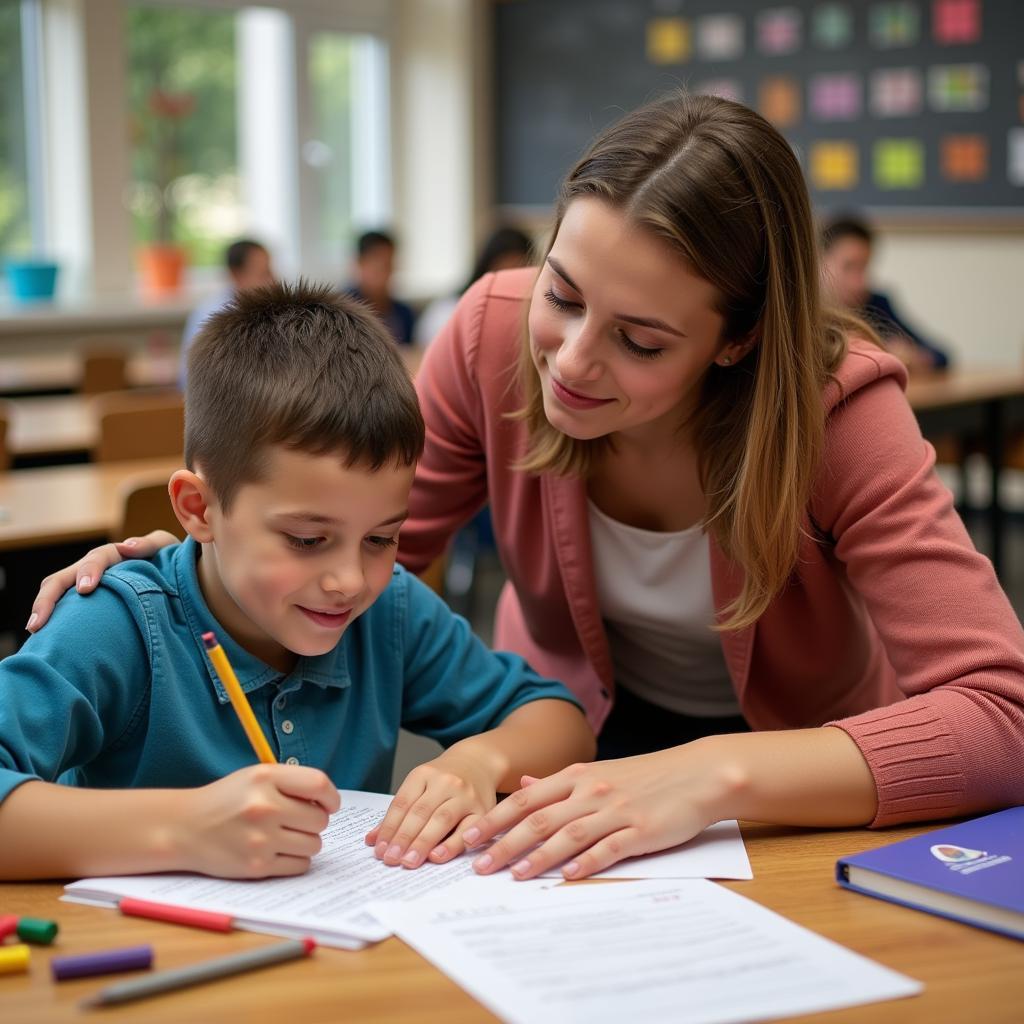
{"points": [[147, 507], [103, 369], [139, 425]]}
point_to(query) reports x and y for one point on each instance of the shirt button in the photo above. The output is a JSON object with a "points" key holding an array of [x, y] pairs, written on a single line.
{"points": [[292, 760], [280, 703], [287, 727]]}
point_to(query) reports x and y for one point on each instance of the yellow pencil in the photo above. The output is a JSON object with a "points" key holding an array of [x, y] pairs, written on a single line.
{"points": [[238, 699]]}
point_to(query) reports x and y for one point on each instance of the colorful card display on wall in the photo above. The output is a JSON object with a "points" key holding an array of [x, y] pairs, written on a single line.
{"points": [[835, 97], [863, 100], [778, 99], [896, 92], [956, 21], [668, 40], [894, 24], [720, 37], [779, 30], [961, 88], [833, 165], [832, 26], [898, 163], [964, 158]]}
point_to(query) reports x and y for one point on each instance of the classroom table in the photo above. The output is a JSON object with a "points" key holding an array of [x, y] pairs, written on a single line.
{"points": [[969, 974], [55, 426], [975, 405], [60, 504], [59, 372]]}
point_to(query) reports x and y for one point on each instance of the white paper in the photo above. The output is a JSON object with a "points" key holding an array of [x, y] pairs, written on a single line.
{"points": [[688, 951], [717, 852], [327, 903]]}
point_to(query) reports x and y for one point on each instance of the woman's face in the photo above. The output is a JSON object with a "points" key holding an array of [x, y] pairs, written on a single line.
{"points": [[621, 329]]}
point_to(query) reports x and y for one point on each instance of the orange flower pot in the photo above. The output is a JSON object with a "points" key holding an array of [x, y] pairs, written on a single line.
{"points": [[162, 267]]}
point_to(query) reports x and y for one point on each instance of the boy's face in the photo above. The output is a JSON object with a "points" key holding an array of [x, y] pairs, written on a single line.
{"points": [[303, 552]]}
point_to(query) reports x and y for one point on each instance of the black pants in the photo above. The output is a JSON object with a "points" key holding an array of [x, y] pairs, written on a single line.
{"points": [[635, 726]]}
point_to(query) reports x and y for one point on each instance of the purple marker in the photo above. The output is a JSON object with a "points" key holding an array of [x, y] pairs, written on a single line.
{"points": [[111, 961]]}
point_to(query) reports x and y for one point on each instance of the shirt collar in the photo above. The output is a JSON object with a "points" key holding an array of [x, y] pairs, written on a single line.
{"points": [[330, 669]]}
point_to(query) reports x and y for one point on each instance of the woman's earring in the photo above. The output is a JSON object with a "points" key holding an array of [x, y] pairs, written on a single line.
{"points": [[726, 360]]}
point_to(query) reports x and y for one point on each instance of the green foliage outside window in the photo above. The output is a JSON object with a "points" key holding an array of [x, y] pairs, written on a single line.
{"points": [[15, 225], [182, 123]]}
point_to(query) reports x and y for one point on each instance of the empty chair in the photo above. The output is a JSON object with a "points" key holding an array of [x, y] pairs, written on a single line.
{"points": [[103, 369], [146, 507], [139, 425]]}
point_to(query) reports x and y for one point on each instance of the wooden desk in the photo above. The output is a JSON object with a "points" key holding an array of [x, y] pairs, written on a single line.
{"points": [[969, 974], [53, 426], [56, 372], [985, 405], [59, 504]]}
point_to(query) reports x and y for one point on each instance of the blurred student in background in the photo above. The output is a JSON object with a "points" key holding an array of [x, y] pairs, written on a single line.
{"points": [[248, 264], [846, 243], [505, 249], [372, 272]]}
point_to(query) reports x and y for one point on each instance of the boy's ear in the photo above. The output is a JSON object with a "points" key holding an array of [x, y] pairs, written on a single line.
{"points": [[191, 499]]}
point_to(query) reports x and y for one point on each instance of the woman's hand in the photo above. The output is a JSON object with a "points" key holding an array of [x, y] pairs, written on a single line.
{"points": [[85, 574], [435, 804], [594, 815]]}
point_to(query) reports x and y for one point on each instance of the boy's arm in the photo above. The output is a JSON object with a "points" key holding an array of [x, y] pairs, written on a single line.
{"points": [[80, 689], [497, 717]]}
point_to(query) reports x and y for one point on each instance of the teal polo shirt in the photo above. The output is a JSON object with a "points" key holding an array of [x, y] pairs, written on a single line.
{"points": [[117, 690]]}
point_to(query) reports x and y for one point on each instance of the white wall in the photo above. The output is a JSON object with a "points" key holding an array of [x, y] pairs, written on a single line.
{"points": [[964, 289]]}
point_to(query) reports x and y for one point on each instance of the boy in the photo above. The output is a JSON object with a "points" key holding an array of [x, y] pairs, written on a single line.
{"points": [[302, 434]]}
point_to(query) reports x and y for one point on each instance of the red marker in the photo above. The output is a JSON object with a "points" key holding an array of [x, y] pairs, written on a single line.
{"points": [[8, 925], [176, 915]]}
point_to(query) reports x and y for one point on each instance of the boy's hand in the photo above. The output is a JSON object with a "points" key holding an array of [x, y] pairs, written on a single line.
{"points": [[436, 803], [257, 822]]}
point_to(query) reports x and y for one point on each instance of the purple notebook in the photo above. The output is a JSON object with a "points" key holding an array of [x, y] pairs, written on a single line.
{"points": [[972, 872]]}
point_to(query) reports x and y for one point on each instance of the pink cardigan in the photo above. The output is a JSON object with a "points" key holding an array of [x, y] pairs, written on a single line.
{"points": [[894, 629]]}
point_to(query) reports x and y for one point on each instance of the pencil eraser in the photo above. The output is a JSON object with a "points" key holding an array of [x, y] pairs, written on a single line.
{"points": [[210, 640], [310, 945], [35, 929]]}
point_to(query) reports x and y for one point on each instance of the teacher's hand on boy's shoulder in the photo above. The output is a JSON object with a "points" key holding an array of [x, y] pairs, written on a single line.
{"points": [[84, 575], [435, 804], [590, 816], [257, 822]]}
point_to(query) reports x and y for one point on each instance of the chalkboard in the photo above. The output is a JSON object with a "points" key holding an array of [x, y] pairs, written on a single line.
{"points": [[916, 105]]}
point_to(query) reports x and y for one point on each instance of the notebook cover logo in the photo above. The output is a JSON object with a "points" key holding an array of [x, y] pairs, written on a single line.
{"points": [[950, 854], [966, 861]]}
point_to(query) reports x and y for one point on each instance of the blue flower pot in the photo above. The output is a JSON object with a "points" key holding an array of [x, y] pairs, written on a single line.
{"points": [[32, 280]]}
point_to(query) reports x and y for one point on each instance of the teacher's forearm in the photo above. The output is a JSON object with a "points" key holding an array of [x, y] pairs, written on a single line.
{"points": [[812, 777]]}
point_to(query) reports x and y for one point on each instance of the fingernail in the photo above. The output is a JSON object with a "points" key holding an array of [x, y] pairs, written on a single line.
{"points": [[521, 868], [483, 863], [394, 852], [380, 849], [412, 858], [84, 582], [130, 542], [440, 852], [571, 869], [32, 620], [471, 835]]}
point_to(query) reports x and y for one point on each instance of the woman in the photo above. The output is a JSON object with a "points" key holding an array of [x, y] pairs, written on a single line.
{"points": [[720, 523]]}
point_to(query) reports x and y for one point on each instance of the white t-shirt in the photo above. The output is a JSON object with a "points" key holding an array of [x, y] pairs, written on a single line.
{"points": [[654, 591]]}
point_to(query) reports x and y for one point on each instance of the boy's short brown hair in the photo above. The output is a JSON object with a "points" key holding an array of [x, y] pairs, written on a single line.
{"points": [[301, 366]]}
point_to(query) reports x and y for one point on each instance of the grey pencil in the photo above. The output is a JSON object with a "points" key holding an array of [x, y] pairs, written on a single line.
{"points": [[197, 974]]}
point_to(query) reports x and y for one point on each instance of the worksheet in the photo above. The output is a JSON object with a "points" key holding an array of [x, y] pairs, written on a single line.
{"points": [[691, 952], [327, 903]]}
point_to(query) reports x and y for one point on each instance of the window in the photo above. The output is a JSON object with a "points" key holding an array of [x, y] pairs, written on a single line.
{"points": [[20, 227], [182, 95]]}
